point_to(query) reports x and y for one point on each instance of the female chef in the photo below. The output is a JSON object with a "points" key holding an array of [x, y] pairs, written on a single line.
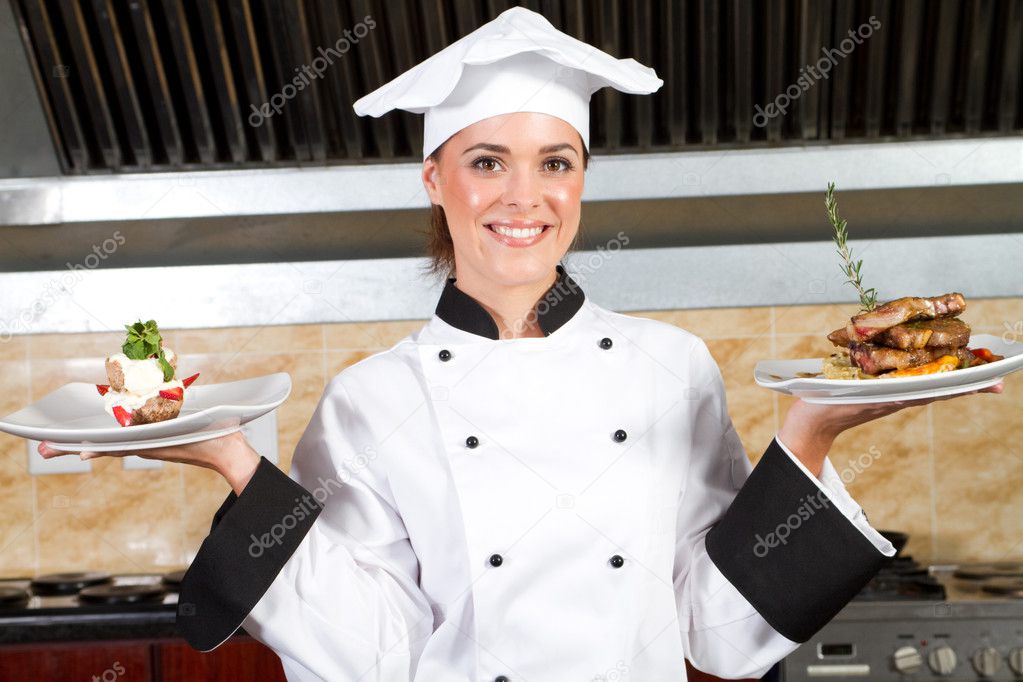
{"points": [[530, 487]]}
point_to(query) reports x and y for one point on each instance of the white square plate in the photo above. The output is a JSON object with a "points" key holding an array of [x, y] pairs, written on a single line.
{"points": [[74, 414], [784, 376]]}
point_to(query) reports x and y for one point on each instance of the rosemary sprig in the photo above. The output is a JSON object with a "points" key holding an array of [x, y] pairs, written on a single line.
{"points": [[851, 269]]}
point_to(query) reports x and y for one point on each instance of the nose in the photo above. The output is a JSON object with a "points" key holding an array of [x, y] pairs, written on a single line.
{"points": [[522, 190]]}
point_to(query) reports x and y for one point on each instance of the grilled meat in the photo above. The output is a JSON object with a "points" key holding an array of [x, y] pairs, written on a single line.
{"points": [[874, 359], [865, 326], [950, 332], [942, 332]]}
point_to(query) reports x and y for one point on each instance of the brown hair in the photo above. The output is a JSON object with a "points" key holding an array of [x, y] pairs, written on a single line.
{"points": [[439, 247]]}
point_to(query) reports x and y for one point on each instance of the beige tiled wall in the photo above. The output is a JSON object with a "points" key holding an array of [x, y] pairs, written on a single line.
{"points": [[950, 474]]}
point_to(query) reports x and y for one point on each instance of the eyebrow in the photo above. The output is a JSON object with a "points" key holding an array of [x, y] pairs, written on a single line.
{"points": [[501, 149]]}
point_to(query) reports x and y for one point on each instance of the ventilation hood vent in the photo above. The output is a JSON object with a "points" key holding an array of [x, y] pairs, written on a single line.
{"points": [[157, 85]]}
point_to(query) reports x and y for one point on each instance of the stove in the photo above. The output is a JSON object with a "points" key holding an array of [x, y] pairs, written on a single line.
{"points": [[87, 605], [915, 622]]}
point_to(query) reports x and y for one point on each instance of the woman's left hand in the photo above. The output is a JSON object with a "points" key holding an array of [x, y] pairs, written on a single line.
{"points": [[810, 429]]}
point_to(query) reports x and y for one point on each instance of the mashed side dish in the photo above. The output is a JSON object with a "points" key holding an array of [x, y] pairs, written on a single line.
{"points": [[839, 366]]}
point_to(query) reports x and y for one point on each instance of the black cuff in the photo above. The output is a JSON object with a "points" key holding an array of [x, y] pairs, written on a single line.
{"points": [[785, 547], [224, 508], [253, 536]]}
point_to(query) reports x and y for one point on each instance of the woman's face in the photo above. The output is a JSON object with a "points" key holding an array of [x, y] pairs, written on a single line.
{"points": [[520, 171]]}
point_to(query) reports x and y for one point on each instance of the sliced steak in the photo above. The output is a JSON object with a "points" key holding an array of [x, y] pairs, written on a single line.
{"points": [[874, 359], [944, 332], [866, 326], [839, 337]]}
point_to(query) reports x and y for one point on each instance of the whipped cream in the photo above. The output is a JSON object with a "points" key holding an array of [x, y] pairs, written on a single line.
{"points": [[143, 379]]}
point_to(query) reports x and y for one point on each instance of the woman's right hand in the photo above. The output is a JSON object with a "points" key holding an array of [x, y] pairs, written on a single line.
{"points": [[231, 456]]}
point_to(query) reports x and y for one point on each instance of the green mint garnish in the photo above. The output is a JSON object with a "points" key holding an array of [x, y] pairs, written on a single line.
{"points": [[143, 342]]}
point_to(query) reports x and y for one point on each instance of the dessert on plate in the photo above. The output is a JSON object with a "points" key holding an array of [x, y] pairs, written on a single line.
{"points": [[143, 384]]}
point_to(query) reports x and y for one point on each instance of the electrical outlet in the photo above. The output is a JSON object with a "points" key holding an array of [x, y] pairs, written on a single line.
{"points": [[262, 435], [62, 464], [135, 462]]}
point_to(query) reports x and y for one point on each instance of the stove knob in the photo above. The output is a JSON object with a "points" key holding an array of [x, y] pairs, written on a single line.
{"points": [[1016, 660], [908, 660], [942, 660], [986, 661]]}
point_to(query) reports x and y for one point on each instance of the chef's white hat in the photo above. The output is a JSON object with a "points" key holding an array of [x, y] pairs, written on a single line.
{"points": [[517, 62]]}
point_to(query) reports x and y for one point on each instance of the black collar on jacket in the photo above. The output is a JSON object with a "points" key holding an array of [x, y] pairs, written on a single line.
{"points": [[556, 307]]}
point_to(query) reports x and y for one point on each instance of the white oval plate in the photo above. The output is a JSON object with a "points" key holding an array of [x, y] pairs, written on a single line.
{"points": [[783, 376], [74, 414]]}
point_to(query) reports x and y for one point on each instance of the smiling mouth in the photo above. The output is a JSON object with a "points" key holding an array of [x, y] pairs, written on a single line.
{"points": [[518, 232]]}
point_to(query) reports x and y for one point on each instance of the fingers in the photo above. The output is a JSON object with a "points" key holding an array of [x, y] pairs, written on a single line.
{"points": [[997, 388], [46, 451]]}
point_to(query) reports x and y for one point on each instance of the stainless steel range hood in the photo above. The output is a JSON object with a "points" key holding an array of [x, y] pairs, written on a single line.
{"points": [[659, 200], [169, 85]]}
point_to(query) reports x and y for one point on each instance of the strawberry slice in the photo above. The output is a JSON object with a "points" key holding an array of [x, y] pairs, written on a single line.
{"points": [[188, 382], [172, 393], [122, 415], [102, 388]]}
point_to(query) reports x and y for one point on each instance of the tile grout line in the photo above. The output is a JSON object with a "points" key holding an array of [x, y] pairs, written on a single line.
{"points": [[35, 487], [933, 482], [182, 523], [774, 353]]}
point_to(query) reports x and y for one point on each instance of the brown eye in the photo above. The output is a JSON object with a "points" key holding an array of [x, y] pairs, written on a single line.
{"points": [[487, 164], [557, 165]]}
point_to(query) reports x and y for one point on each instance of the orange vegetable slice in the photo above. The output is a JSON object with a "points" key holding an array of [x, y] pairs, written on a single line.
{"points": [[946, 363]]}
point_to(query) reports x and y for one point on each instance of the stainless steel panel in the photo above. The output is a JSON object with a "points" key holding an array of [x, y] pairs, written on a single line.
{"points": [[77, 298]]}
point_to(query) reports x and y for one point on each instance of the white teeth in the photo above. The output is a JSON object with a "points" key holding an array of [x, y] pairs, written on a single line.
{"points": [[517, 233]]}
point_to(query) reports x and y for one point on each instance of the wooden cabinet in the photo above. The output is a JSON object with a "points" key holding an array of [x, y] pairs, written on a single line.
{"points": [[237, 660], [102, 661], [695, 675]]}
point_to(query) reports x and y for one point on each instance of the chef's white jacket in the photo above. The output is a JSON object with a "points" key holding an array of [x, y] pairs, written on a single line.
{"points": [[466, 508]]}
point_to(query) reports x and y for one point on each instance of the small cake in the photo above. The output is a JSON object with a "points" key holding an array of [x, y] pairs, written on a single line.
{"points": [[143, 387]]}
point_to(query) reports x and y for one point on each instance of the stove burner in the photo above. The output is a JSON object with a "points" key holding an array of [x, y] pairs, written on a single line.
{"points": [[13, 597], [902, 579], [173, 580], [1004, 587], [902, 588], [984, 571], [67, 583], [121, 594], [904, 566]]}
